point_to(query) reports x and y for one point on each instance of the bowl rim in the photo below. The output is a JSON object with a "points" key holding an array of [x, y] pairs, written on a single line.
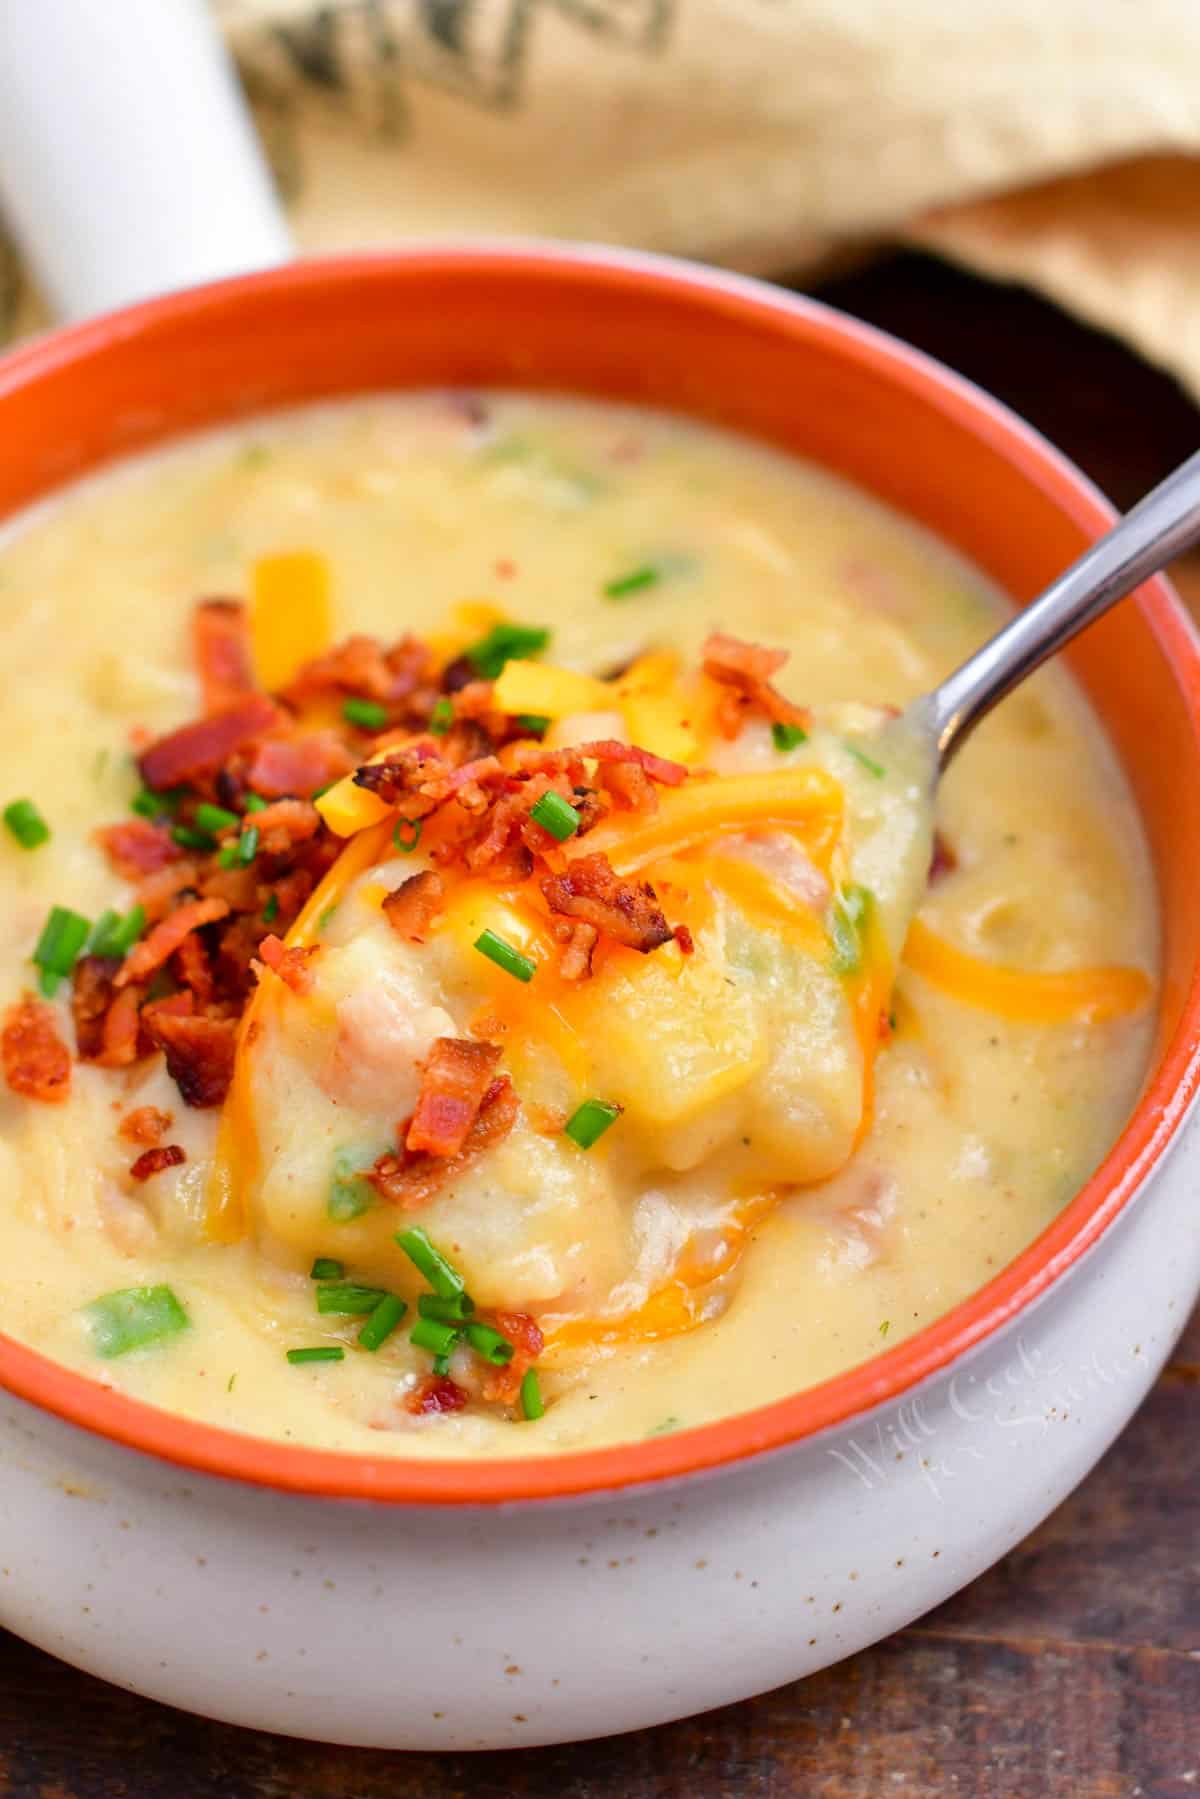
{"points": [[795, 1419]]}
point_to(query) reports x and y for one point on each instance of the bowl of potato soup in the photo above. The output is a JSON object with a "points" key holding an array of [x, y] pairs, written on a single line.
{"points": [[499, 1024]]}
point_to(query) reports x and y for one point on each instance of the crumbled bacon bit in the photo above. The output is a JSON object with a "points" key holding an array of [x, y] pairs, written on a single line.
{"points": [[145, 1125], [943, 861], [685, 940], [411, 908], [525, 1335], [161, 943], [626, 910], [154, 1161], [575, 963], [136, 848], [435, 1394], [291, 964], [284, 825], [199, 1052], [121, 1043], [192, 969], [606, 749], [298, 766], [36, 1061], [221, 644], [457, 1075], [91, 996], [159, 892], [747, 668], [412, 1181], [199, 749]]}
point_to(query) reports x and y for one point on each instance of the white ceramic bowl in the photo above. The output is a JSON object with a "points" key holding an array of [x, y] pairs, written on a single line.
{"points": [[434, 1605]]}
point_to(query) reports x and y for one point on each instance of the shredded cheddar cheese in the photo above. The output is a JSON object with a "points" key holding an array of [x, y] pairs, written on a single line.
{"points": [[1089, 995]]}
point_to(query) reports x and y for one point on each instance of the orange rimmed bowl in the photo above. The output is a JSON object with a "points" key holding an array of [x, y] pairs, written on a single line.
{"points": [[593, 1592]]}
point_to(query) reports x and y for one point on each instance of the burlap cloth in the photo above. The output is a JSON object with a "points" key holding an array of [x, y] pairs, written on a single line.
{"points": [[1055, 142]]}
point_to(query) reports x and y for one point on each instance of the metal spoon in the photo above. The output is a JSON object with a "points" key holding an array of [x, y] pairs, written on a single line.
{"points": [[1158, 529]]}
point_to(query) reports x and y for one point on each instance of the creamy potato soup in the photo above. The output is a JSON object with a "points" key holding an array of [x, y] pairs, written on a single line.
{"points": [[485, 970]]}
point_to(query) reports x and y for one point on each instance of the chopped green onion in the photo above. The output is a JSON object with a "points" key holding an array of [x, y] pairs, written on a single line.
{"points": [[26, 824], [189, 839], [326, 918], [254, 802], [556, 815], [505, 956], [326, 1269], [214, 819], [590, 1121], [246, 847], [868, 762], [382, 1322], [491, 1344], [270, 911], [884, 1327], [847, 923], [49, 982], [326, 1352], [532, 1403], [227, 858], [149, 804], [786, 737], [633, 582], [349, 1193], [407, 834], [446, 1311], [441, 1364], [502, 644], [115, 936], [535, 723], [442, 717], [368, 715], [445, 1279], [57, 950], [427, 1333], [133, 1317], [346, 1297]]}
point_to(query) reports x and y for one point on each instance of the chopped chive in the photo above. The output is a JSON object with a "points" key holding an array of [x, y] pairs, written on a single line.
{"points": [[349, 1193], [491, 1344], [505, 956], [382, 1322], [270, 911], [590, 1121], [368, 715], [214, 819], [246, 847], [63, 937], [427, 1333], [320, 792], [847, 924], [535, 723], [346, 1297], [442, 717], [446, 1311], [884, 1327], [532, 1403], [786, 737], [190, 839], [113, 935], [325, 1352], [407, 834], [633, 582], [326, 918], [132, 1318], [441, 1364], [254, 802], [149, 804], [326, 1269], [445, 1279], [26, 824], [868, 762], [502, 644], [227, 857], [48, 982], [556, 815]]}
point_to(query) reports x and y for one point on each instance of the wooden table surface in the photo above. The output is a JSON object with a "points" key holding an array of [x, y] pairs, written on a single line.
{"points": [[1072, 1669]]}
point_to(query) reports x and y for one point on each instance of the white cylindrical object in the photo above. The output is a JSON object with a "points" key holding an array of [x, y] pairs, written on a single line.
{"points": [[129, 165]]}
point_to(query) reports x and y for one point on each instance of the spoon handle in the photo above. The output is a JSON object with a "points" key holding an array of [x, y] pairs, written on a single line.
{"points": [[1158, 529]]}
